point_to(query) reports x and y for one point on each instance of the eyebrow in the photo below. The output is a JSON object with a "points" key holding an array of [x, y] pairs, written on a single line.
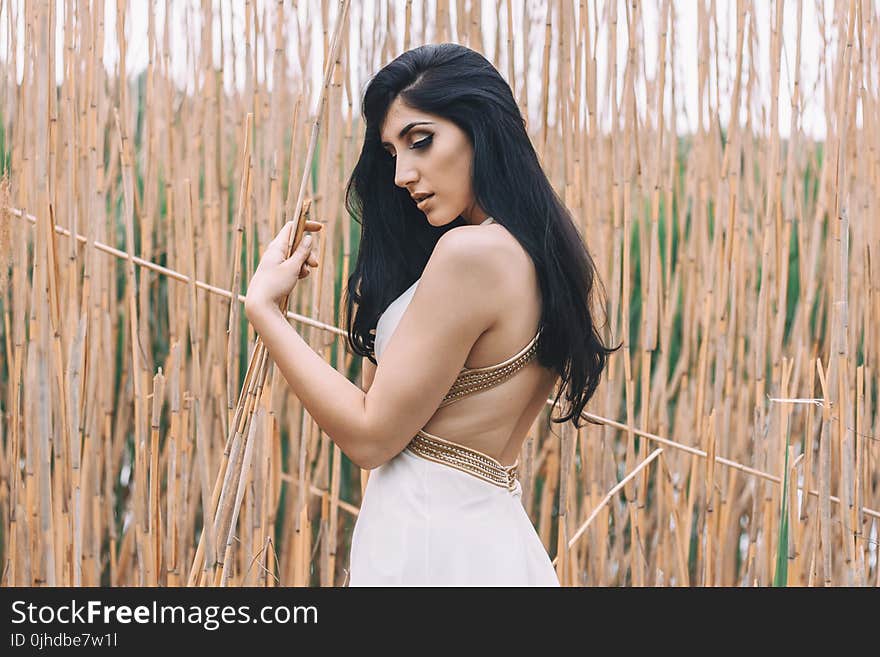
{"points": [[407, 128]]}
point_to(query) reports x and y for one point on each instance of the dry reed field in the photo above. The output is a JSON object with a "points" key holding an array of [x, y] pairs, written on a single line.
{"points": [[145, 438]]}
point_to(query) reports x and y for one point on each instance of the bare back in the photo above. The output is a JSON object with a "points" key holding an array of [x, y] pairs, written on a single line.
{"points": [[496, 420]]}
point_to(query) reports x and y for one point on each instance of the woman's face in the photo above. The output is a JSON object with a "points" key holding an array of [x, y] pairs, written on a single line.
{"points": [[431, 156]]}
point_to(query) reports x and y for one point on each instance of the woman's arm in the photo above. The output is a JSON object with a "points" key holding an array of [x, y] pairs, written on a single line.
{"points": [[368, 372], [455, 302]]}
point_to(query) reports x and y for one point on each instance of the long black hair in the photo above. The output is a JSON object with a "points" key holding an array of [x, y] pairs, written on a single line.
{"points": [[462, 86]]}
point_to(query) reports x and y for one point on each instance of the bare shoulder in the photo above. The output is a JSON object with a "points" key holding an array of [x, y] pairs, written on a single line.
{"points": [[491, 279], [477, 272], [485, 251]]}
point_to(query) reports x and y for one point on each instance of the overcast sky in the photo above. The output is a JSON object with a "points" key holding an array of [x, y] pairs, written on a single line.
{"points": [[364, 12]]}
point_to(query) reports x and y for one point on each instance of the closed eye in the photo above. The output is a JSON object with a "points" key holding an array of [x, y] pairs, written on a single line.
{"points": [[421, 143]]}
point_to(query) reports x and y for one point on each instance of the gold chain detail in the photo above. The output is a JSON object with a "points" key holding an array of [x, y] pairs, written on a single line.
{"points": [[465, 459], [470, 381]]}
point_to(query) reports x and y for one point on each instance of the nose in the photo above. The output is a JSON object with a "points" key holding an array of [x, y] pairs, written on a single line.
{"points": [[404, 173]]}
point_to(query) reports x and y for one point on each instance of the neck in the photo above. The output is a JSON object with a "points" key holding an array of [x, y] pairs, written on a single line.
{"points": [[476, 217]]}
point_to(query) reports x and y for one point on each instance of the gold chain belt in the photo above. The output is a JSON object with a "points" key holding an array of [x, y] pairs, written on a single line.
{"points": [[471, 461]]}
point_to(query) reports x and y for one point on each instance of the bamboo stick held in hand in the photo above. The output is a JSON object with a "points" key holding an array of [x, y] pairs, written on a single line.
{"points": [[233, 471]]}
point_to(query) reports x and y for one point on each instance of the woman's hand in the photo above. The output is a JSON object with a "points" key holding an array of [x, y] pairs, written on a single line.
{"points": [[277, 274]]}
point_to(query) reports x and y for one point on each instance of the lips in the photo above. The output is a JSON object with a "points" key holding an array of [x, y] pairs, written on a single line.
{"points": [[421, 204]]}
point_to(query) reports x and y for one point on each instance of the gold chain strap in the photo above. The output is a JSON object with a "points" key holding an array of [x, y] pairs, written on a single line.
{"points": [[470, 381]]}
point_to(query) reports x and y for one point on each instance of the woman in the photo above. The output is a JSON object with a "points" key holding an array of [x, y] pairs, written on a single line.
{"points": [[469, 300]]}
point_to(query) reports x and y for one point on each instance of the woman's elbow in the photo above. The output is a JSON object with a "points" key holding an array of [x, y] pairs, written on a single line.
{"points": [[364, 458], [370, 460], [380, 453]]}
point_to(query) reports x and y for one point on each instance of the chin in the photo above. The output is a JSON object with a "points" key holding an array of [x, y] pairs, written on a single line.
{"points": [[437, 220]]}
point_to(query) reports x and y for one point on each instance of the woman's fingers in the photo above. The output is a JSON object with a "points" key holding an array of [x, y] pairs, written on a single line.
{"points": [[312, 227], [304, 254]]}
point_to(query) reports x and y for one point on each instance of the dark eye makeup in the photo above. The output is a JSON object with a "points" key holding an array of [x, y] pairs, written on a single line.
{"points": [[421, 143]]}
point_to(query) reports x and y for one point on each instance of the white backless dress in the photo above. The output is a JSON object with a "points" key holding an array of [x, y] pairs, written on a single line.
{"points": [[442, 514]]}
